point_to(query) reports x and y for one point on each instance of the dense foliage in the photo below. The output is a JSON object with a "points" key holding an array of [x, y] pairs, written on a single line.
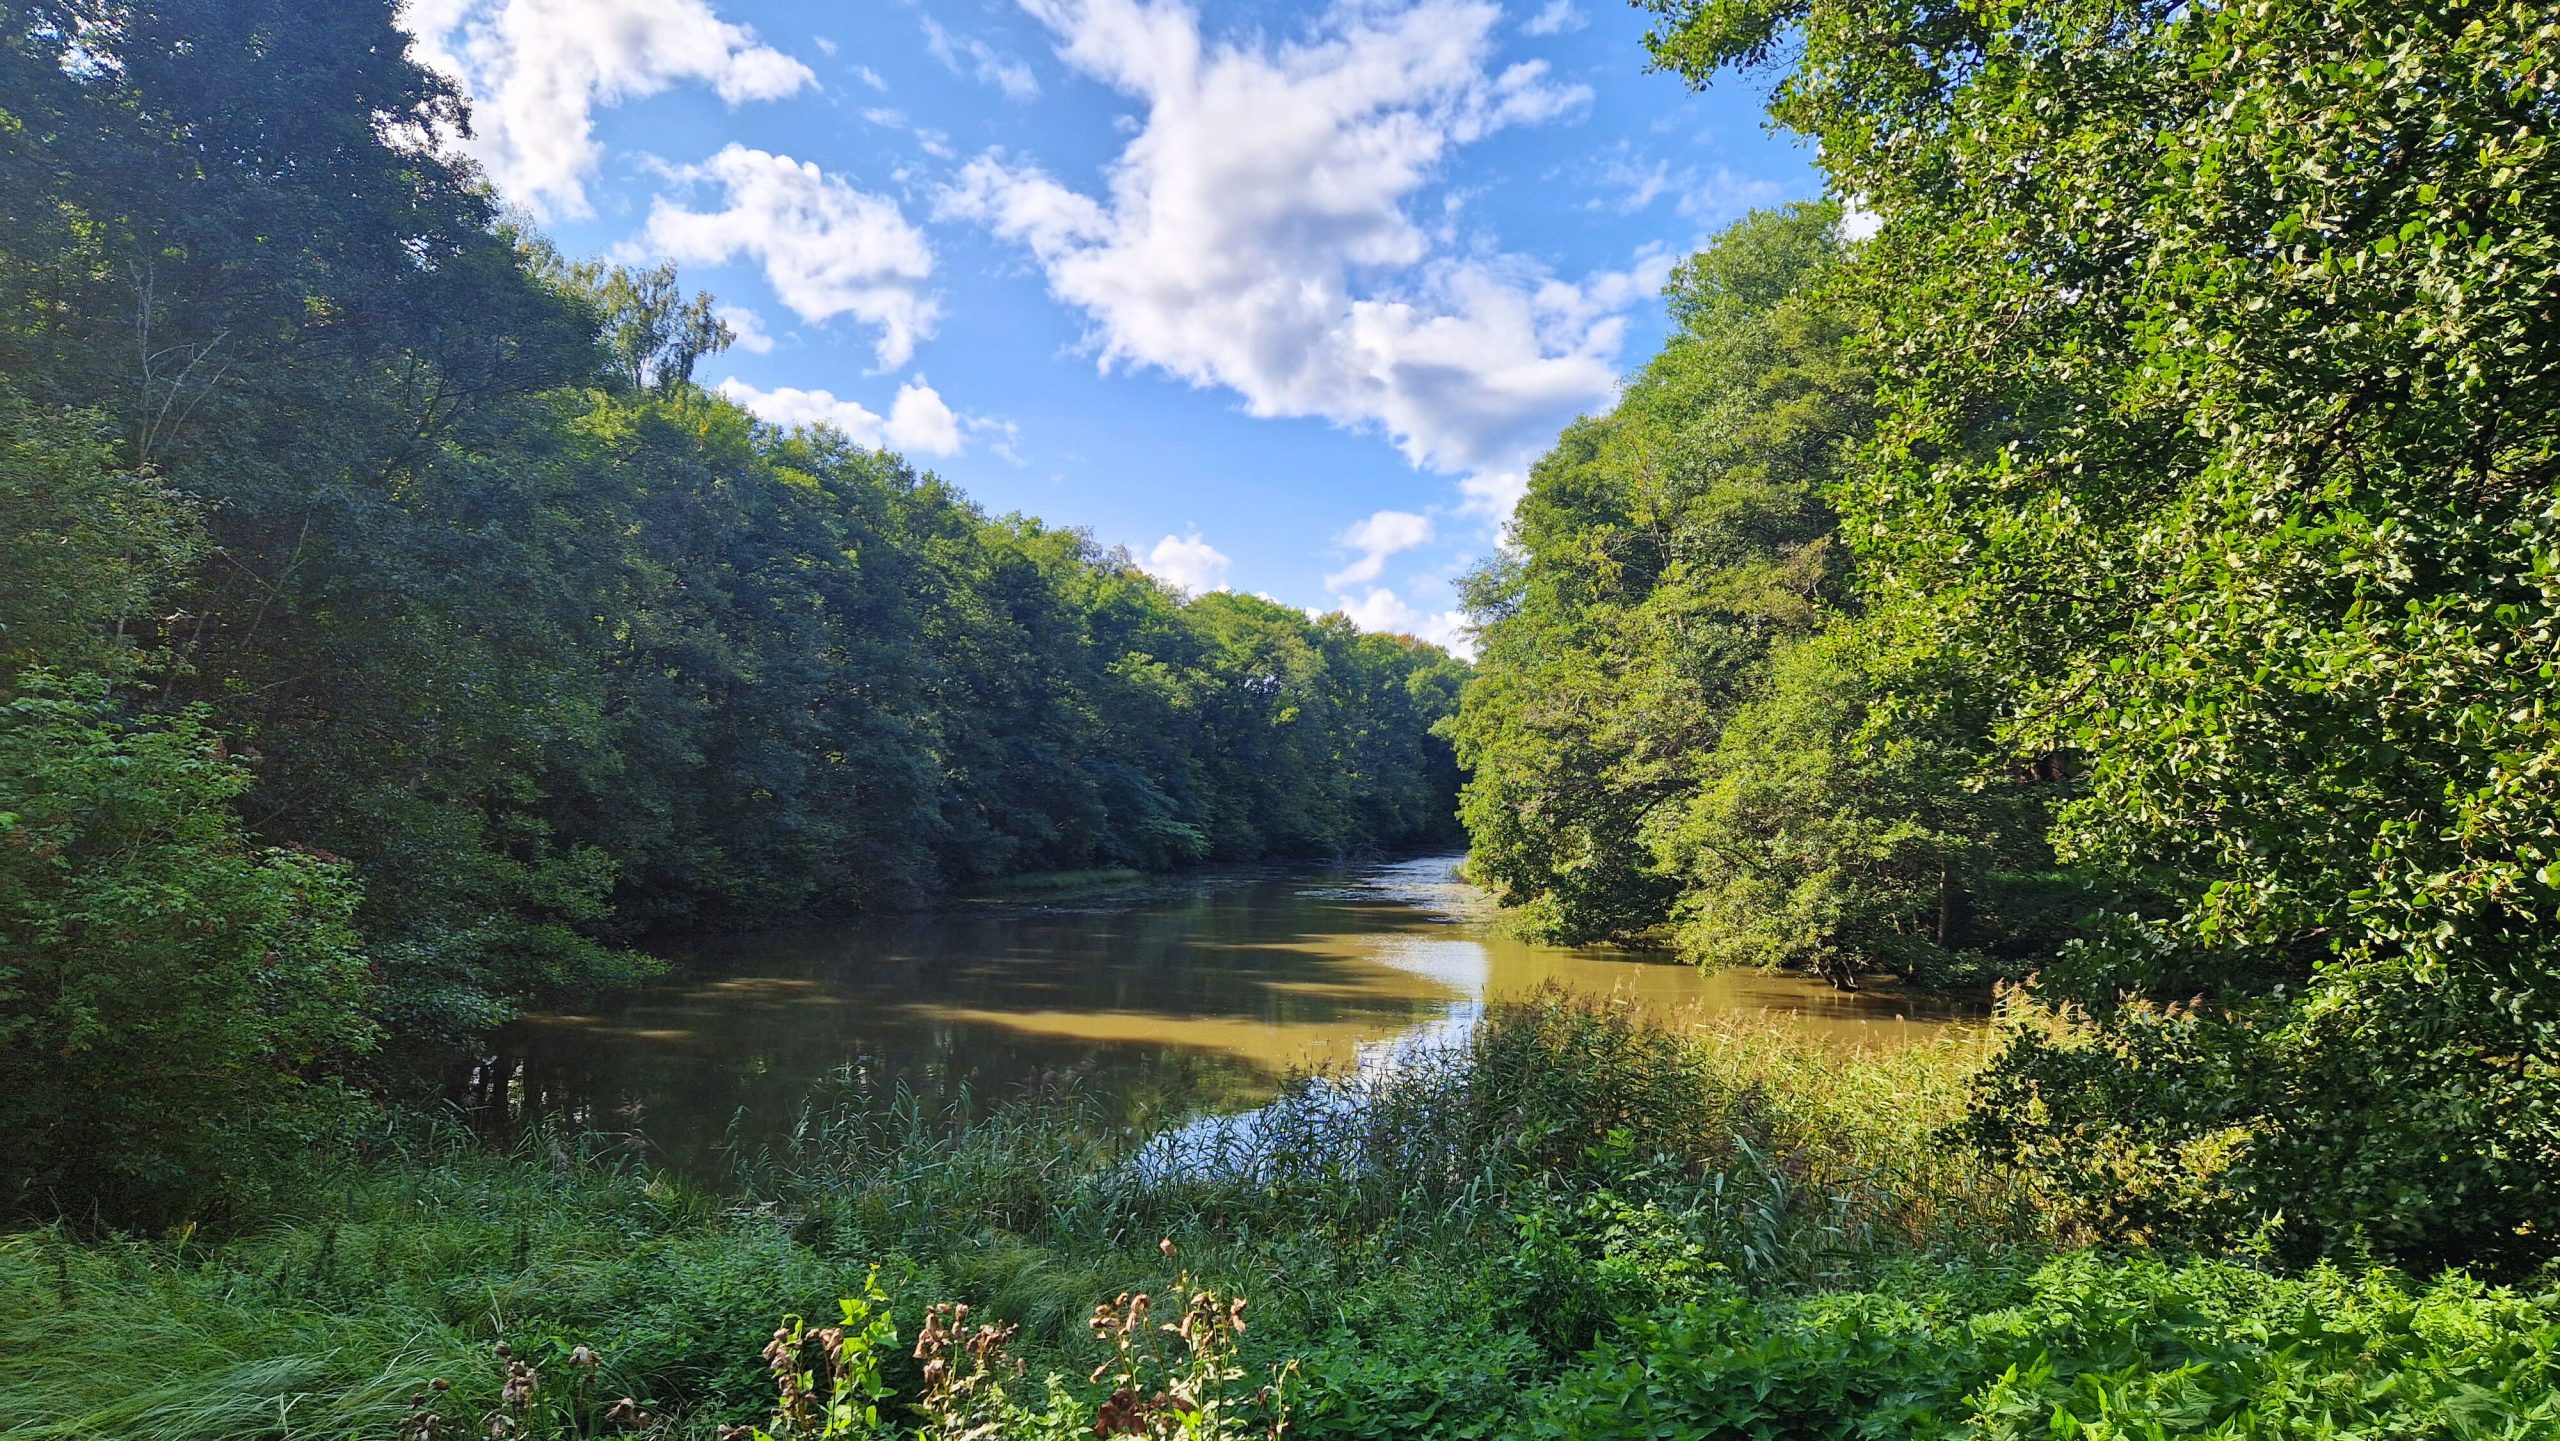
{"points": [[2162, 505], [173, 998], [2220, 428], [541, 646], [2199, 532], [2080, 1348], [1684, 723]]}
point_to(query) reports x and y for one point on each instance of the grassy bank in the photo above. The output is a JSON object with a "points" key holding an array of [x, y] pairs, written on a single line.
{"points": [[1584, 1226]]}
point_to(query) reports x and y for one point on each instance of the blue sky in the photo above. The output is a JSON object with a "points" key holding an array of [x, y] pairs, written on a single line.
{"points": [[1280, 297]]}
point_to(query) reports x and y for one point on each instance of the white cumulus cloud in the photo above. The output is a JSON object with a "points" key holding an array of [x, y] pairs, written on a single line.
{"points": [[1254, 234], [538, 69], [747, 326], [919, 421], [1383, 535], [792, 406], [1188, 564], [827, 248], [1384, 611]]}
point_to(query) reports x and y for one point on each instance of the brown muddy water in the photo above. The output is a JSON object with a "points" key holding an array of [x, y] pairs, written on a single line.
{"points": [[1198, 996]]}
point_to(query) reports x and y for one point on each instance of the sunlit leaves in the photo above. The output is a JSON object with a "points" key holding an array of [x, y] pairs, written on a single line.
{"points": [[2225, 362]]}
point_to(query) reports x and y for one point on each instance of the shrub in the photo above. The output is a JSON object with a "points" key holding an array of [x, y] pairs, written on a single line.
{"points": [[2086, 1346], [172, 997]]}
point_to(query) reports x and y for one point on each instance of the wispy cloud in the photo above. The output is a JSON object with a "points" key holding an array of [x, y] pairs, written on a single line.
{"points": [[1382, 536], [969, 55], [1722, 197], [1558, 17]]}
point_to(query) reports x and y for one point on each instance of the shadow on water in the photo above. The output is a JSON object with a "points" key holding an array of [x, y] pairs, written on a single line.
{"points": [[1200, 1001]]}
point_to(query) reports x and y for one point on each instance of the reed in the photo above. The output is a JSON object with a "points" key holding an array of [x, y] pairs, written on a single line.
{"points": [[1429, 1248]]}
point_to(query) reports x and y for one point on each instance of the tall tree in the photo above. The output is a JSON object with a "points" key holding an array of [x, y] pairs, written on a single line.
{"points": [[2224, 406], [544, 644]]}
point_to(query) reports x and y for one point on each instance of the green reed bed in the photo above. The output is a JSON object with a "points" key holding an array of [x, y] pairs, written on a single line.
{"points": [[1583, 1223]]}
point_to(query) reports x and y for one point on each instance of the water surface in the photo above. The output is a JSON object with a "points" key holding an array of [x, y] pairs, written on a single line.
{"points": [[1196, 996]]}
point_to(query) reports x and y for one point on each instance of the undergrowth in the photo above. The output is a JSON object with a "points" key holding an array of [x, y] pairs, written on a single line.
{"points": [[1580, 1224]]}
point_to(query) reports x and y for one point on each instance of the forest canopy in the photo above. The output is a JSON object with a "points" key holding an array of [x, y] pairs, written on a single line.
{"points": [[2127, 568], [384, 594]]}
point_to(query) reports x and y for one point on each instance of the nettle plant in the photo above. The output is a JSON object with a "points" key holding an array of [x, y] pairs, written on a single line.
{"points": [[528, 1409], [1185, 1386], [1177, 1380], [827, 1378]]}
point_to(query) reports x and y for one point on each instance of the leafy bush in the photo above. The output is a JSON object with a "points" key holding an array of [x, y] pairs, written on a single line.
{"points": [[174, 1000], [2086, 1346], [85, 546], [1457, 1376]]}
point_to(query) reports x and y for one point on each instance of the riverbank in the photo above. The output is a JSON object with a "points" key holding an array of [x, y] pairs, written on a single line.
{"points": [[1582, 1225]]}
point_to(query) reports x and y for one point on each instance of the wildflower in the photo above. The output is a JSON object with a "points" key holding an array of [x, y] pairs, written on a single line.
{"points": [[1124, 1414]]}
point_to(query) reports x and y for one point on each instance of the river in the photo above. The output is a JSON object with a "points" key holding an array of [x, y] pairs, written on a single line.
{"points": [[1197, 995]]}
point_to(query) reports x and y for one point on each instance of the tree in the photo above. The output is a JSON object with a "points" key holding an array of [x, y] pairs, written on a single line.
{"points": [[176, 1002], [1684, 727], [1665, 546], [87, 547], [652, 335], [551, 646], [2224, 426]]}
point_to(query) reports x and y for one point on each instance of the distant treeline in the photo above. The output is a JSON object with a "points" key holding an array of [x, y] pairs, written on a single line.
{"points": [[2129, 556], [392, 630]]}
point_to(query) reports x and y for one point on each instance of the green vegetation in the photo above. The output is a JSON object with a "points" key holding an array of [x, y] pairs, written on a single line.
{"points": [[2131, 573], [177, 996], [2132, 566], [1794, 788], [393, 632], [1583, 1225]]}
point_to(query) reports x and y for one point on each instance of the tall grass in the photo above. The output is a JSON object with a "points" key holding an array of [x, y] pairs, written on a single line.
{"points": [[1487, 1211], [1832, 1157]]}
